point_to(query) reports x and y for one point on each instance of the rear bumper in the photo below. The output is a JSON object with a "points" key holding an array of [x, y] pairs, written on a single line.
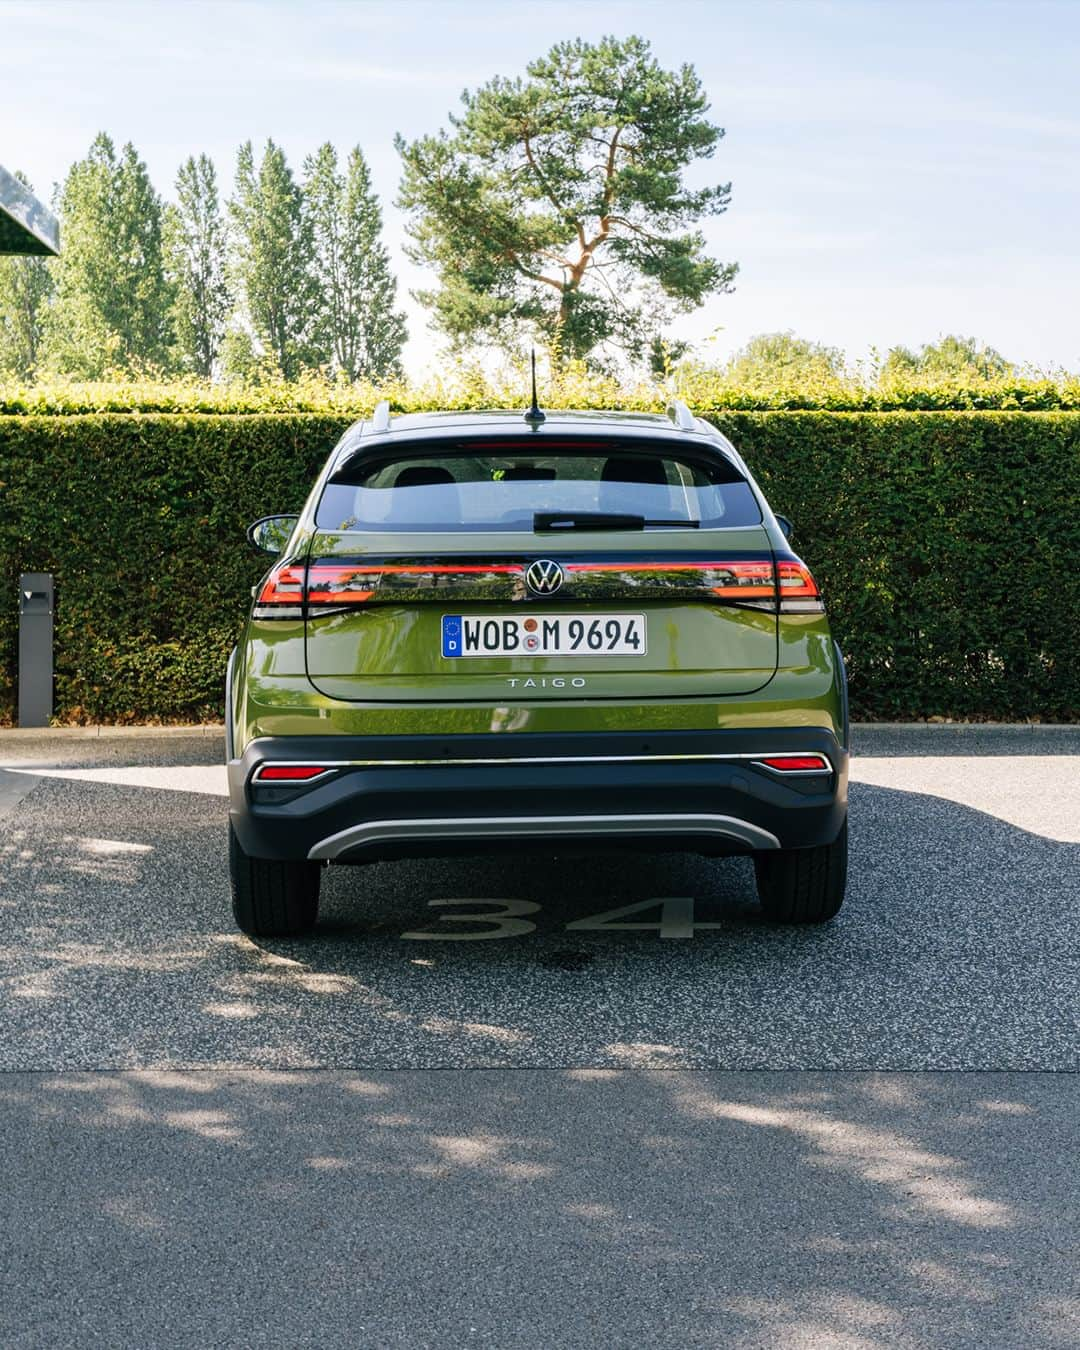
{"points": [[408, 796]]}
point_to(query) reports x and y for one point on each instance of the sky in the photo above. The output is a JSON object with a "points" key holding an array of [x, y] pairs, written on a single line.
{"points": [[899, 170]]}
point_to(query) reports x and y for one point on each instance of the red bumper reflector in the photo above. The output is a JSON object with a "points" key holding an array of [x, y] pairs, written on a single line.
{"points": [[289, 773], [797, 763]]}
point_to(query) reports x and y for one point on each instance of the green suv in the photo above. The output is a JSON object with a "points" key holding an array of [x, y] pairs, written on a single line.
{"points": [[505, 631]]}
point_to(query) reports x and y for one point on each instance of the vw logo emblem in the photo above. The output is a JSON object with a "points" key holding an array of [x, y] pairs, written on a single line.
{"points": [[544, 577]]}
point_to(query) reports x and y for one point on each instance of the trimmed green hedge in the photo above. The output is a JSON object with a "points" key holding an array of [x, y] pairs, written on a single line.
{"points": [[703, 388], [142, 520], [947, 543], [948, 549]]}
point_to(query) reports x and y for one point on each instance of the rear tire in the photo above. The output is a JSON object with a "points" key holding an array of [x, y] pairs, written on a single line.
{"points": [[270, 898], [803, 885]]}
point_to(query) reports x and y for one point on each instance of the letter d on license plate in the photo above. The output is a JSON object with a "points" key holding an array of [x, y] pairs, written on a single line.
{"points": [[543, 635]]}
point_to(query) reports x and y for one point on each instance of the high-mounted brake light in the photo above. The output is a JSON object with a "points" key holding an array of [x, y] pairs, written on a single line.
{"points": [[798, 589], [289, 773], [796, 763]]}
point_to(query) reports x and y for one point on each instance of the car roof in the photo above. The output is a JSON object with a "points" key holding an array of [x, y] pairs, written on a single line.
{"points": [[382, 431], [508, 418]]}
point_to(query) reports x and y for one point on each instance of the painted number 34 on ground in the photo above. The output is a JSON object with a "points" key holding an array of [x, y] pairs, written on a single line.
{"points": [[674, 918]]}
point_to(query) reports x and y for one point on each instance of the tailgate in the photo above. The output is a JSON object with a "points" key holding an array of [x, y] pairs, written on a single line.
{"points": [[685, 618]]}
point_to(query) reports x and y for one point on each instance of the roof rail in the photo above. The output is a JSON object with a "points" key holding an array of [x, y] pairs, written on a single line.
{"points": [[380, 418], [681, 415]]}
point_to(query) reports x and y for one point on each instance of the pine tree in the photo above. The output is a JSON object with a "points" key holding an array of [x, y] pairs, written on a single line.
{"points": [[271, 260], [195, 252], [26, 287], [113, 300], [559, 200], [359, 331]]}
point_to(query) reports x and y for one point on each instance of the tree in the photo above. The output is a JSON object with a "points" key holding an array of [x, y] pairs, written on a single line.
{"points": [[271, 263], [113, 300], [783, 358], [26, 287], [360, 332], [664, 354], [195, 251], [955, 358], [559, 200]]}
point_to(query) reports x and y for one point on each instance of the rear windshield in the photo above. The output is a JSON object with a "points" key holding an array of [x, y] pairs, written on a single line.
{"points": [[502, 489]]}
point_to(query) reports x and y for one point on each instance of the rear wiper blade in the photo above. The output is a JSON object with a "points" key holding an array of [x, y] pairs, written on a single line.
{"points": [[603, 520]]}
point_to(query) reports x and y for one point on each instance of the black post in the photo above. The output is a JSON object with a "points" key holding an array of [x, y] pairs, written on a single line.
{"points": [[35, 649]]}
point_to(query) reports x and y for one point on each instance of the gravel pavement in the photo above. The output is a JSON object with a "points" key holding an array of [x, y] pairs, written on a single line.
{"points": [[410, 1130]]}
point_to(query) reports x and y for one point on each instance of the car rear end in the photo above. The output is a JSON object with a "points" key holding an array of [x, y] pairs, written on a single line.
{"points": [[587, 634]]}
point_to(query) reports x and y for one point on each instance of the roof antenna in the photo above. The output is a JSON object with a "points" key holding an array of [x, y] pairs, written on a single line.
{"points": [[534, 416]]}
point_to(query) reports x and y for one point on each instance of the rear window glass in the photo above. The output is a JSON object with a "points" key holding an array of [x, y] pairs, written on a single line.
{"points": [[501, 490]]}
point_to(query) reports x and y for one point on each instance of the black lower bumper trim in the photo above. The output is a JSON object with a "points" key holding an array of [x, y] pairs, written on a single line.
{"points": [[406, 796]]}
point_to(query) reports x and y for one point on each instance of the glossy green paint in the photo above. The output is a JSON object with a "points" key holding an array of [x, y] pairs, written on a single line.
{"points": [[273, 697], [392, 651], [378, 671]]}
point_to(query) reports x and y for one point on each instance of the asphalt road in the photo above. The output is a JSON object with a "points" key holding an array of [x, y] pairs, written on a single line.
{"points": [[416, 1129]]}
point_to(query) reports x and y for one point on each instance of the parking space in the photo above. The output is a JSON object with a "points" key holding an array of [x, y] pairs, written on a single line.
{"points": [[958, 947]]}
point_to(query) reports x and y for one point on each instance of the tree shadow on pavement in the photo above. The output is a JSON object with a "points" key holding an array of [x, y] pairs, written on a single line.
{"points": [[524, 1208]]}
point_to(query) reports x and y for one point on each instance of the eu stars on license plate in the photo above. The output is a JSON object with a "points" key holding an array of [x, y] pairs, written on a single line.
{"points": [[543, 635]]}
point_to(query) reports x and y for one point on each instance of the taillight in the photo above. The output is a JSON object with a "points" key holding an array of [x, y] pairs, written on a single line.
{"points": [[282, 594], [745, 580], [796, 763], [798, 589], [335, 585]]}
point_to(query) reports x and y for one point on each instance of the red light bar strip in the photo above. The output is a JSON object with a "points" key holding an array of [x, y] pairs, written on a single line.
{"points": [[725, 565], [466, 569], [425, 568]]}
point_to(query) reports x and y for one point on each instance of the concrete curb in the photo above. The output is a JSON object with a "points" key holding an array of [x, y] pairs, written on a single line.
{"points": [[92, 733], [979, 727]]}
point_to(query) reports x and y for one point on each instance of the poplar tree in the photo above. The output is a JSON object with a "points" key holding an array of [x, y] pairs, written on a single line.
{"points": [[271, 260], [26, 287], [195, 251], [113, 300], [359, 331]]}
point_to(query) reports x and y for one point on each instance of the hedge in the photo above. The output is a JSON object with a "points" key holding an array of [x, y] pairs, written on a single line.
{"points": [[947, 544], [705, 389]]}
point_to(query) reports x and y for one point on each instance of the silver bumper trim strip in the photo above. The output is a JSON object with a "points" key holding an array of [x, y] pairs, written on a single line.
{"points": [[540, 827], [552, 759]]}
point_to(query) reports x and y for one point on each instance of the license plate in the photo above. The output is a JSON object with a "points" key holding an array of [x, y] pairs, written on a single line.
{"points": [[543, 635]]}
